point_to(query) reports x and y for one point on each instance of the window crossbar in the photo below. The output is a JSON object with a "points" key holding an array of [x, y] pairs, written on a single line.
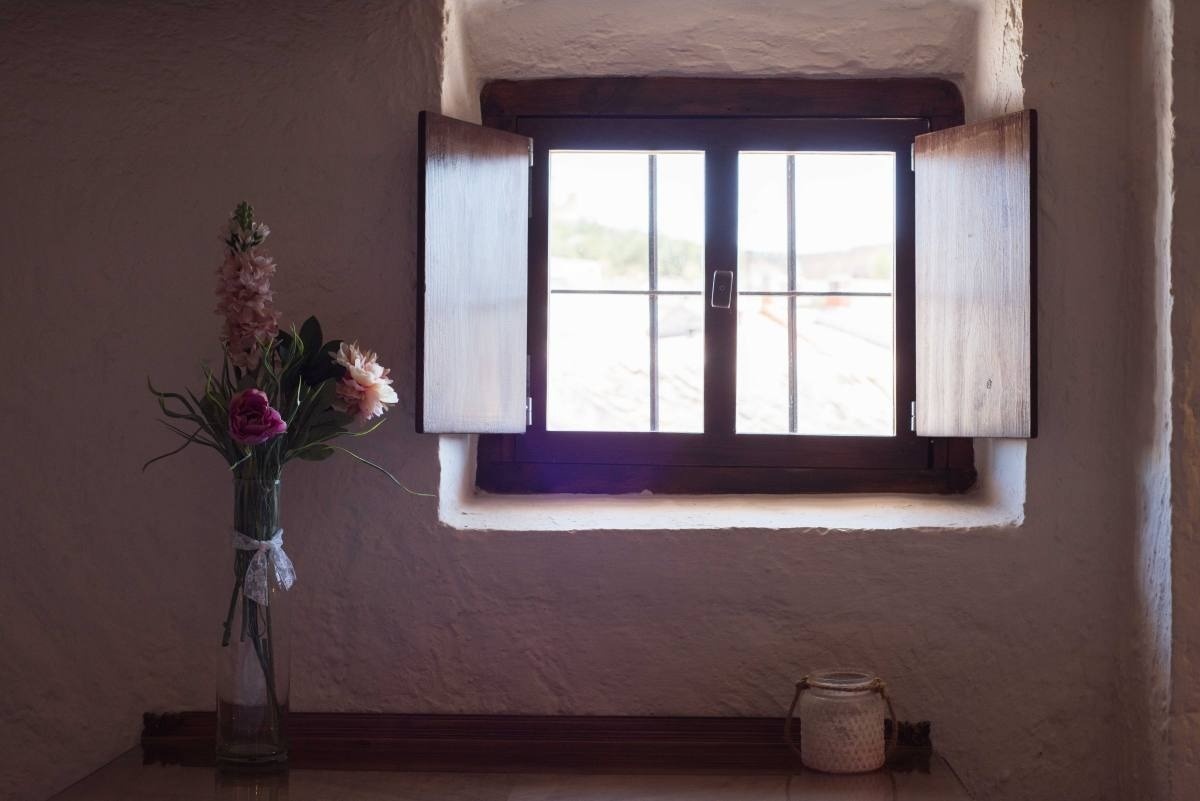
{"points": [[800, 293], [625, 292]]}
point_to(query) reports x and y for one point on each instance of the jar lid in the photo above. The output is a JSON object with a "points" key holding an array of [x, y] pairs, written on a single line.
{"points": [[847, 681]]}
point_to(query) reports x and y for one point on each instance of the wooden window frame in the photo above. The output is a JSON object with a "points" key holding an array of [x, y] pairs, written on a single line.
{"points": [[715, 461]]}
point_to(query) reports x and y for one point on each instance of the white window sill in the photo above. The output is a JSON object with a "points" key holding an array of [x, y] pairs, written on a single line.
{"points": [[997, 500]]}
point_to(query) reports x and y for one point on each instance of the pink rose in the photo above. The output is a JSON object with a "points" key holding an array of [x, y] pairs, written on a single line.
{"points": [[252, 421]]}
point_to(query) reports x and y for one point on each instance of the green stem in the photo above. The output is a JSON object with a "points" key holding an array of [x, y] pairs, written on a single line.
{"points": [[240, 565], [266, 662], [256, 515]]}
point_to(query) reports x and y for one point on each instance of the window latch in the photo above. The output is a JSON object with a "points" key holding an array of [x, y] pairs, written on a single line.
{"points": [[722, 289]]}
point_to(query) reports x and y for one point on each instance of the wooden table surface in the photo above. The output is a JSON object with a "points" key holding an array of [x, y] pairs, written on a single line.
{"points": [[131, 778]]}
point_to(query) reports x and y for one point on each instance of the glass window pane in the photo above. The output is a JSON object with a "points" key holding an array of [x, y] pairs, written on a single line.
{"points": [[680, 206], [620, 224], [762, 365], [599, 220], [836, 374], [844, 366], [681, 363], [762, 221], [598, 363], [845, 221]]}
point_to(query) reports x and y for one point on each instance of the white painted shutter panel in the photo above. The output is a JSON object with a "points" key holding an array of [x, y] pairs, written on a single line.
{"points": [[976, 239], [473, 278]]}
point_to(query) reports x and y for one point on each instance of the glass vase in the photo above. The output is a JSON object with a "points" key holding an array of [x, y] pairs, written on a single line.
{"points": [[252, 673]]}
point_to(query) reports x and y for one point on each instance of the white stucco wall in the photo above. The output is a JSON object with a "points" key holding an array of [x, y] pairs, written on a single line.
{"points": [[551, 38], [1145, 684], [460, 80], [1184, 727], [1074, 71], [131, 128]]}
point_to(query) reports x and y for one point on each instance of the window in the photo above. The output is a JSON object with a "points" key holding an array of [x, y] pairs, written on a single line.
{"points": [[721, 286]]}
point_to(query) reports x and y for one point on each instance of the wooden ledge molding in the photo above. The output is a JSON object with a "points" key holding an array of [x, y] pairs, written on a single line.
{"points": [[932, 98], [488, 743]]}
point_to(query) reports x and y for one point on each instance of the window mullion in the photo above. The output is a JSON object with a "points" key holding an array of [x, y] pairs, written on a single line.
{"points": [[791, 285], [720, 324], [652, 297]]}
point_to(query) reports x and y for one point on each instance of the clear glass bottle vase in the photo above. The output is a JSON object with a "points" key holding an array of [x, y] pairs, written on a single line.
{"points": [[253, 662]]}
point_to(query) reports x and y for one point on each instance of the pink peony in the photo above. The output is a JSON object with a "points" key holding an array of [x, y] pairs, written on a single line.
{"points": [[365, 391], [245, 300], [252, 421]]}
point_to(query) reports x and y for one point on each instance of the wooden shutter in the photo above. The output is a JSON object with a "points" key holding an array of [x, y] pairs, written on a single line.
{"points": [[473, 278], [975, 274]]}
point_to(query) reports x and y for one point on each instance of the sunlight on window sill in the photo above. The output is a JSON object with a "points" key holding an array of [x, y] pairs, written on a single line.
{"points": [[998, 500]]}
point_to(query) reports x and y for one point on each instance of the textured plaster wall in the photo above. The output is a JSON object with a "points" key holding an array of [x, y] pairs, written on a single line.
{"points": [[992, 85], [130, 129], [1146, 655], [549, 38], [1030, 617], [460, 82], [1185, 405], [975, 42]]}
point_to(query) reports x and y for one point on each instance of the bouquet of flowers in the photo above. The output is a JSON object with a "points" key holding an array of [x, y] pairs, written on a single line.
{"points": [[279, 395]]}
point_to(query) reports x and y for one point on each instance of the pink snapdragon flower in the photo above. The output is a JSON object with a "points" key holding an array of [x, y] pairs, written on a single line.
{"points": [[365, 391], [245, 300], [244, 296], [252, 420]]}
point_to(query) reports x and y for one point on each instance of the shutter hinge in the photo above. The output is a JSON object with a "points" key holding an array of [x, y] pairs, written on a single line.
{"points": [[912, 157], [529, 186], [912, 416], [528, 390]]}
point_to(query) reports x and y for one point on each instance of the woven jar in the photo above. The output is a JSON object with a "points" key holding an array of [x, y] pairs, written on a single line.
{"points": [[842, 714]]}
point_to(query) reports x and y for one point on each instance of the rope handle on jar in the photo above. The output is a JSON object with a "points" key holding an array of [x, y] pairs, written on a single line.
{"points": [[877, 685]]}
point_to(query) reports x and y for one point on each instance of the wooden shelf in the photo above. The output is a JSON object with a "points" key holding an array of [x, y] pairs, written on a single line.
{"points": [[473, 743]]}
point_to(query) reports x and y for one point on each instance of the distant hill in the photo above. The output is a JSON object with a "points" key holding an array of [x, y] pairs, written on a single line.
{"points": [[625, 254]]}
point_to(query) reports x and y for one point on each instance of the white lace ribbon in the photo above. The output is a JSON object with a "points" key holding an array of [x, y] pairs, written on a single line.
{"points": [[257, 580]]}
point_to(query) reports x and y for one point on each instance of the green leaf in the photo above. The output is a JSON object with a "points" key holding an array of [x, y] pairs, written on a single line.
{"points": [[320, 433], [249, 452], [311, 404], [218, 421], [288, 346], [370, 428], [226, 379], [314, 453], [293, 357], [322, 366], [164, 396], [331, 417], [188, 440], [310, 336], [372, 465]]}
